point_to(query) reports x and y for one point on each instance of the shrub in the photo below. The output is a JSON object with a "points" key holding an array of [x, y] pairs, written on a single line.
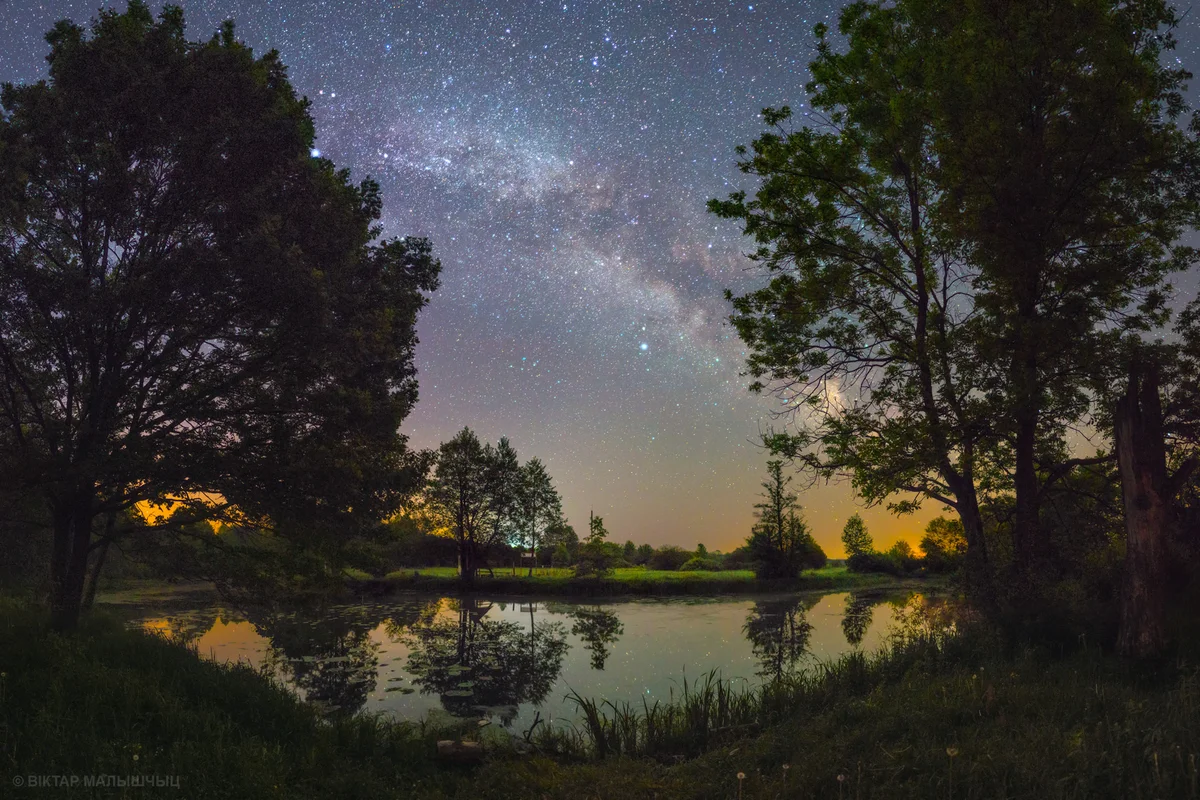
{"points": [[874, 562], [697, 564], [597, 559], [669, 557]]}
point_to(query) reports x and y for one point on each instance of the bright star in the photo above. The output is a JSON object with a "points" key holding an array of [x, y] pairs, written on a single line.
{"points": [[643, 346]]}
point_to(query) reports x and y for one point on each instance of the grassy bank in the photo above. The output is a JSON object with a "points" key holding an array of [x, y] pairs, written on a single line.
{"points": [[932, 718], [110, 701], [628, 582]]}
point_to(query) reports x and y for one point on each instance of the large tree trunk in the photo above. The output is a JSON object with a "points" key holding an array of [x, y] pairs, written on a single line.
{"points": [[1141, 459], [979, 571], [69, 567], [1025, 518], [89, 594]]}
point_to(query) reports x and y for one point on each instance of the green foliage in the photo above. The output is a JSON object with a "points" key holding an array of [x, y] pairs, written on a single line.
{"points": [[855, 537], [597, 558], [943, 544], [597, 533], [644, 553], [696, 563], [669, 557]]}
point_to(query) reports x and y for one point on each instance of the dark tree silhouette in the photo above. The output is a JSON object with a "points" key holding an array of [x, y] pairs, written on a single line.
{"points": [[192, 308]]}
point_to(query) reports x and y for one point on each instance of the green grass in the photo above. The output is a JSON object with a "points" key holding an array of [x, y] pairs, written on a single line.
{"points": [[934, 717], [630, 581]]}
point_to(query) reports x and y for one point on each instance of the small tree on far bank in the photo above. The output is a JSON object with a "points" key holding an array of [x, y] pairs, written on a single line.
{"points": [[856, 539], [596, 556], [781, 544]]}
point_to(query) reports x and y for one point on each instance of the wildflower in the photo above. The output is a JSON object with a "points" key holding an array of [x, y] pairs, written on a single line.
{"points": [[741, 776], [841, 778], [952, 751], [135, 756]]}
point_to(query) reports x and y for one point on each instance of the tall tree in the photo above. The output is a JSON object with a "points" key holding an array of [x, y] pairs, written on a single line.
{"points": [[780, 543], [866, 326], [460, 498], [503, 480], [1069, 183], [597, 533], [538, 505], [856, 539], [192, 308]]}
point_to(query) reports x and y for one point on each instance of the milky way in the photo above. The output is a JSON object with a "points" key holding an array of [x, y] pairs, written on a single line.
{"points": [[559, 156]]}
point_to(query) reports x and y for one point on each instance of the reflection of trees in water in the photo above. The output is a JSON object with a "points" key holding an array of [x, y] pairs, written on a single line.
{"points": [[189, 626], [859, 611], [328, 655], [475, 663], [778, 631], [598, 628]]}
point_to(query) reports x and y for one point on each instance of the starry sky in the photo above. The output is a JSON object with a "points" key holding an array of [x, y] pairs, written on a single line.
{"points": [[559, 156]]}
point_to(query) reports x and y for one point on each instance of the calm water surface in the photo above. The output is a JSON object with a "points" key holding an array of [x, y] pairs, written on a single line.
{"points": [[506, 660]]}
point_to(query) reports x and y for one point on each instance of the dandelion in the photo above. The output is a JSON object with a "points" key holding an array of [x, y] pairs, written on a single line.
{"points": [[841, 779], [741, 777], [952, 751], [135, 756]]}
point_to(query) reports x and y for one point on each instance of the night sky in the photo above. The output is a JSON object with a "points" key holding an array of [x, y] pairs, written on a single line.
{"points": [[559, 156]]}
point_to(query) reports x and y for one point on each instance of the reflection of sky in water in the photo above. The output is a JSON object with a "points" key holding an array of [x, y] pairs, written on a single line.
{"points": [[661, 643]]}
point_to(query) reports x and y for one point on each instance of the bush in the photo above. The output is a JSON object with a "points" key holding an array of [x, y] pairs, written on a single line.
{"points": [[740, 558], [597, 559], [561, 557], [874, 562], [669, 557], [698, 564]]}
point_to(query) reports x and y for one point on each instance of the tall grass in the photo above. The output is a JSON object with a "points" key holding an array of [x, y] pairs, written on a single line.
{"points": [[710, 710]]}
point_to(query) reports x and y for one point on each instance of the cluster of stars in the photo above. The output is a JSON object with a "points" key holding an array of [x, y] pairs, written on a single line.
{"points": [[559, 156]]}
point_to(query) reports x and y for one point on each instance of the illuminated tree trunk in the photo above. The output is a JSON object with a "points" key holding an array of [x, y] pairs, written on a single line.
{"points": [[1141, 459]]}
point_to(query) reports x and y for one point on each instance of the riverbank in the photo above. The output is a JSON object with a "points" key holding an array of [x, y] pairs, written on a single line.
{"points": [[630, 582], [935, 717]]}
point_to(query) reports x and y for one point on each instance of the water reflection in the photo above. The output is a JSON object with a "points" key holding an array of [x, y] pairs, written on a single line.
{"points": [[598, 629], [479, 665], [474, 657], [859, 611], [332, 660], [778, 631]]}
